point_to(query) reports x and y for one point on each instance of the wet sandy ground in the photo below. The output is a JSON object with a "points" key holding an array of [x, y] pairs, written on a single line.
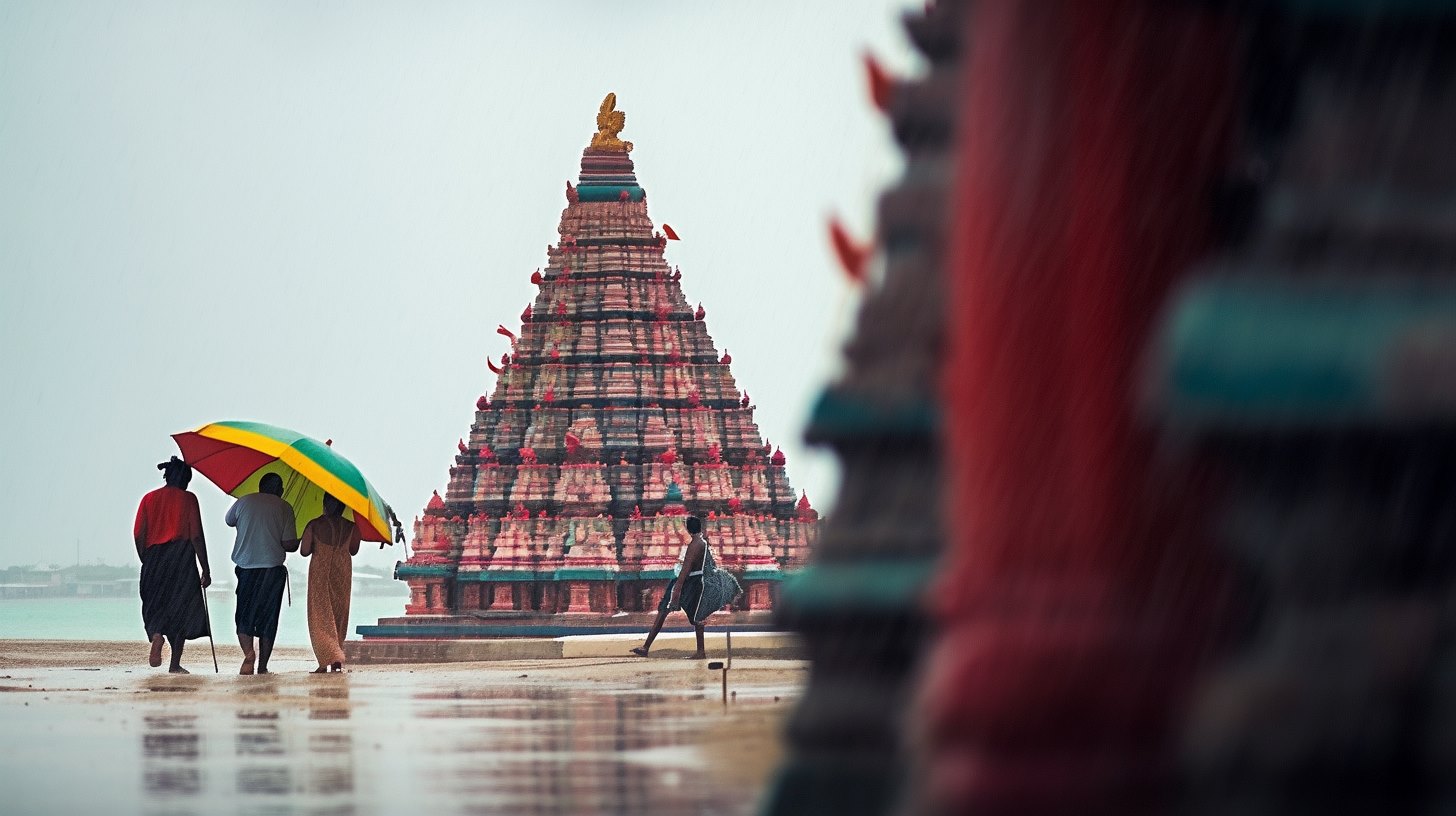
{"points": [[88, 725]]}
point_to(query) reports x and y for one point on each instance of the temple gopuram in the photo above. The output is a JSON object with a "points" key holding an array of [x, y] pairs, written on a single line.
{"points": [[612, 417]]}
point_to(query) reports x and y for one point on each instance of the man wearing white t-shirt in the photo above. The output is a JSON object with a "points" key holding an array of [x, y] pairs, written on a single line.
{"points": [[267, 531]]}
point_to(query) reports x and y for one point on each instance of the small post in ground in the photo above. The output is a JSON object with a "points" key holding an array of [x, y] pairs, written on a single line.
{"points": [[717, 665]]}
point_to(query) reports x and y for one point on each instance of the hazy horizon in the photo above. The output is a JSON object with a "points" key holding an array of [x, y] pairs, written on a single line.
{"points": [[316, 216]]}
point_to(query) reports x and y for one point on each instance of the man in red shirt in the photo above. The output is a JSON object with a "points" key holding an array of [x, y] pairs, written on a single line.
{"points": [[170, 545]]}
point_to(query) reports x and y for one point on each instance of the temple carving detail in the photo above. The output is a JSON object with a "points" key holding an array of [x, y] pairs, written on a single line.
{"points": [[612, 415]]}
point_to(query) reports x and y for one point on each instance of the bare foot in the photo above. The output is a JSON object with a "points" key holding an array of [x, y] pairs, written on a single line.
{"points": [[247, 664], [338, 667], [698, 656], [263, 670], [178, 670], [155, 658], [640, 651]]}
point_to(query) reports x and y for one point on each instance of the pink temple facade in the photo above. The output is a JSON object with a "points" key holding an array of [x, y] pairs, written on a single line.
{"points": [[612, 415]]}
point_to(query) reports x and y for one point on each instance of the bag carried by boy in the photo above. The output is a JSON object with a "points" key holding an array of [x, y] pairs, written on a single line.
{"points": [[720, 588]]}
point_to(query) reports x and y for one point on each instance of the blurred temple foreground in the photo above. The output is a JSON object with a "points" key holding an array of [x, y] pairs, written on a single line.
{"points": [[1193, 415], [613, 416]]}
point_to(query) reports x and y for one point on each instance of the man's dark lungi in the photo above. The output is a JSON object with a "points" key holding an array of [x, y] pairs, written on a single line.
{"points": [[260, 597]]}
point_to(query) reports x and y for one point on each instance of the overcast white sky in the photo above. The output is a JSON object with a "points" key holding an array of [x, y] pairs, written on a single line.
{"points": [[315, 214]]}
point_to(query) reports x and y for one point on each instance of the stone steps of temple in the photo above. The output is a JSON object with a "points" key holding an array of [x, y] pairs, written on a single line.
{"points": [[449, 639], [452, 649]]}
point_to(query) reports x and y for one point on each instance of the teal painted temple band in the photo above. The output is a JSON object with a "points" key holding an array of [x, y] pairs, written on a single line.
{"points": [[588, 192], [1241, 351]]}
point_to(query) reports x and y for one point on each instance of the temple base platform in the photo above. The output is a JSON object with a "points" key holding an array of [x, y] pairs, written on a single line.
{"points": [[454, 639], [521, 624]]}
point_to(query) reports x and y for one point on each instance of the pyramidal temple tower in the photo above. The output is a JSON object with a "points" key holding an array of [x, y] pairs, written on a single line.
{"points": [[613, 415]]}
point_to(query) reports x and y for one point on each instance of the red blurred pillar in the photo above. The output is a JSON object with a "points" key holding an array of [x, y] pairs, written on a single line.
{"points": [[1092, 137]]}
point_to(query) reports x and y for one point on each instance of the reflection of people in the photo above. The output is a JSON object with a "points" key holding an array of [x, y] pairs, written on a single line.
{"points": [[684, 590], [266, 532], [169, 542], [333, 541]]}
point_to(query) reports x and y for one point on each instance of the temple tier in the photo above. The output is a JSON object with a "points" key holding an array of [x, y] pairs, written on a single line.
{"points": [[612, 416]]}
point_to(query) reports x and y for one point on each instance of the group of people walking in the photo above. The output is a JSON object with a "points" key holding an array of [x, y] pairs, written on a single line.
{"points": [[172, 548]]}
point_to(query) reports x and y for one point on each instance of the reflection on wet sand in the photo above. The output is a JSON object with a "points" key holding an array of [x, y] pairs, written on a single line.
{"points": [[262, 759], [274, 755], [171, 747], [381, 742], [328, 762], [328, 698], [546, 750]]}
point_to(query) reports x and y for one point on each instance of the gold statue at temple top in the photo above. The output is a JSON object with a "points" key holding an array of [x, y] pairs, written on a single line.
{"points": [[610, 122]]}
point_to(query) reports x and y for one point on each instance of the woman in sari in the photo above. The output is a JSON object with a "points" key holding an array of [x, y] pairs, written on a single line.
{"points": [[170, 545], [332, 541]]}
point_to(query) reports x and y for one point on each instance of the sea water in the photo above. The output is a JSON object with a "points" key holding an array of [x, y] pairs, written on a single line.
{"points": [[121, 618]]}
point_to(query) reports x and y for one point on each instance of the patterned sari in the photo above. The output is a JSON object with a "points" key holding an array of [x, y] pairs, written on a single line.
{"points": [[330, 582]]}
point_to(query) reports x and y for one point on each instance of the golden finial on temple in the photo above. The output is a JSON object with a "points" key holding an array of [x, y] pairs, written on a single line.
{"points": [[610, 122]]}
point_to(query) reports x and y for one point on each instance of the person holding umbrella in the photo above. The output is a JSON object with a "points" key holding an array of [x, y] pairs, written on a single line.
{"points": [[243, 458], [267, 531], [170, 545]]}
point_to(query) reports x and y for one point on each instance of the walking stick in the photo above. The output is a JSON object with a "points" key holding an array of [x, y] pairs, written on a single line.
{"points": [[210, 642]]}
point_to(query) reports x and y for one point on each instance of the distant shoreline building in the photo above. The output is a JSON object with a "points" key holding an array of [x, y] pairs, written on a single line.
{"points": [[612, 416]]}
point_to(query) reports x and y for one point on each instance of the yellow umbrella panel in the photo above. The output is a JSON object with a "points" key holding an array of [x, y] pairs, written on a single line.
{"points": [[236, 455]]}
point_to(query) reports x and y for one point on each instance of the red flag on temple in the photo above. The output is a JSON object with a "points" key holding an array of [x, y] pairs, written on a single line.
{"points": [[882, 87], [670, 233], [852, 256]]}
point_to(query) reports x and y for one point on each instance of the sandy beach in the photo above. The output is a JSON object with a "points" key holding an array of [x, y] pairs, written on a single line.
{"points": [[598, 735]]}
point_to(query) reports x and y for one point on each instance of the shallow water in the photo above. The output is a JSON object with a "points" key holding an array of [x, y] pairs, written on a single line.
{"points": [[121, 618], [385, 742]]}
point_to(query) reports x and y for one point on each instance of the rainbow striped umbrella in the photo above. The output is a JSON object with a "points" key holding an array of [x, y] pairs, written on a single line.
{"points": [[236, 455]]}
